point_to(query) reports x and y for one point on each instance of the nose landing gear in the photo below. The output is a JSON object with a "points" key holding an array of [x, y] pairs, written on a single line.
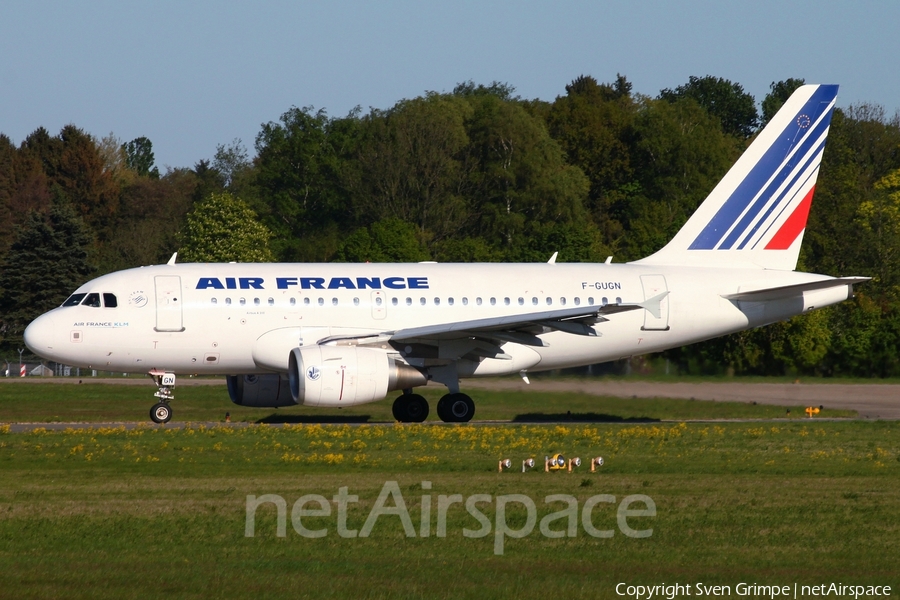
{"points": [[161, 411]]}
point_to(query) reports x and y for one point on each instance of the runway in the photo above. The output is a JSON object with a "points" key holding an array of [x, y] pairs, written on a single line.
{"points": [[870, 400]]}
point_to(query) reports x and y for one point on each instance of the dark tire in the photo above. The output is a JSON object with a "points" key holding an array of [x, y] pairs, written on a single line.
{"points": [[456, 408], [443, 410], [416, 408], [161, 413], [410, 408]]}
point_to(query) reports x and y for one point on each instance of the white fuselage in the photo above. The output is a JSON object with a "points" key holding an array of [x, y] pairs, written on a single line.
{"points": [[246, 318]]}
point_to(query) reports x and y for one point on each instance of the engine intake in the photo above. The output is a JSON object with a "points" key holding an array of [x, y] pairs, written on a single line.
{"points": [[346, 375]]}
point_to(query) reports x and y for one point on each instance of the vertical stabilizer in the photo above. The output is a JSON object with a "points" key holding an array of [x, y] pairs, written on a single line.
{"points": [[755, 217]]}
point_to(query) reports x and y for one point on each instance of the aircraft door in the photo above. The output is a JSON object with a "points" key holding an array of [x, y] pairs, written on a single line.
{"points": [[168, 303], [654, 285]]}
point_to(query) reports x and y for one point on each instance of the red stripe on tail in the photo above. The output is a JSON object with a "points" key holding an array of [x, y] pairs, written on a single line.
{"points": [[794, 225]]}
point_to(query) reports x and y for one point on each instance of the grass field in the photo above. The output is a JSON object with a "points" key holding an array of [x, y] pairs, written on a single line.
{"points": [[97, 402], [153, 512]]}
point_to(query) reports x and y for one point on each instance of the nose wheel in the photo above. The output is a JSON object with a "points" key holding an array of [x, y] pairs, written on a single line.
{"points": [[161, 411]]}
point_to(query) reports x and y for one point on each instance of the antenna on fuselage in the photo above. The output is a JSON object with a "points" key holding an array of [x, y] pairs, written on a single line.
{"points": [[172, 260], [552, 260]]}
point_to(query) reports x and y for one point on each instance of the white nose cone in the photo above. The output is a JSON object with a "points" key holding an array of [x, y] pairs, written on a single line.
{"points": [[40, 336]]}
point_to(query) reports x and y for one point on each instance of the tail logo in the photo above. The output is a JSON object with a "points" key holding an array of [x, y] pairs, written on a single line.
{"points": [[768, 207]]}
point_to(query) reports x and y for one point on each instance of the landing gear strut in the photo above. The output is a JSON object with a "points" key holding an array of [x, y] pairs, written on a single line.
{"points": [[456, 408], [410, 408], [161, 411]]}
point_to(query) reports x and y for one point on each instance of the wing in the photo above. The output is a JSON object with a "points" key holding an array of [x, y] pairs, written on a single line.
{"points": [[483, 338]]}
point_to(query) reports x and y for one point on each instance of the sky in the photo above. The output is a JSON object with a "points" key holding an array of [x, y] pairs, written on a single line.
{"points": [[193, 75]]}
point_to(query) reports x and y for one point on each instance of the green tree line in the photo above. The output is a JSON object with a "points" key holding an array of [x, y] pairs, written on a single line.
{"points": [[475, 174]]}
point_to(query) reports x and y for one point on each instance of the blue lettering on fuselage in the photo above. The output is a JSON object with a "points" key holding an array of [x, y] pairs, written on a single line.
{"points": [[315, 283]]}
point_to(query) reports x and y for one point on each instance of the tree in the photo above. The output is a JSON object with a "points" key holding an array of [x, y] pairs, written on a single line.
{"points": [[778, 94], [723, 99], [47, 261], [391, 240], [299, 176], [409, 165], [231, 161], [139, 157], [223, 228]]}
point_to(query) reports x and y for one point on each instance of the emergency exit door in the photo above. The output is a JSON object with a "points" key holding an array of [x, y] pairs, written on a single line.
{"points": [[654, 285]]}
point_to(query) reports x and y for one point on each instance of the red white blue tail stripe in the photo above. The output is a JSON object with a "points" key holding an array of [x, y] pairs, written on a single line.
{"points": [[757, 214]]}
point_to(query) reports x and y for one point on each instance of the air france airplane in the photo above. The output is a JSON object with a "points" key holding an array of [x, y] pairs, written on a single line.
{"points": [[335, 335]]}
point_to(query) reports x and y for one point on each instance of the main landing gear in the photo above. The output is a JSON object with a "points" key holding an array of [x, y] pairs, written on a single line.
{"points": [[161, 411], [451, 408]]}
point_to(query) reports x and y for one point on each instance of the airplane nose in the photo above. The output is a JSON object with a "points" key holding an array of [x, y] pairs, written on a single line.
{"points": [[42, 335]]}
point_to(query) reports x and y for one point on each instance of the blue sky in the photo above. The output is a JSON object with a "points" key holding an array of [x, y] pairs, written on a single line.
{"points": [[191, 75]]}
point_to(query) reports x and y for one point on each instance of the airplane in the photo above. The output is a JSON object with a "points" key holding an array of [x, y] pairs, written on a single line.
{"points": [[336, 335]]}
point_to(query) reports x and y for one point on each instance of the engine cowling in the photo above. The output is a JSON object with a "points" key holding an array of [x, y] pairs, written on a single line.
{"points": [[346, 375], [260, 391]]}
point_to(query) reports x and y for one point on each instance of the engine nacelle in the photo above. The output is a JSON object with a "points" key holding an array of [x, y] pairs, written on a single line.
{"points": [[260, 391], [346, 375]]}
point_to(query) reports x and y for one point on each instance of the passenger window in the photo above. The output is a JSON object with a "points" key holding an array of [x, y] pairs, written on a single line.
{"points": [[422, 301], [437, 301], [74, 300], [493, 301], [271, 301], [243, 301], [465, 301], [109, 300], [562, 301], [228, 301], [618, 300], [306, 302], [214, 301], [591, 300], [256, 301], [293, 301], [356, 302], [321, 301], [478, 301], [450, 301], [577, 301], [604, 301], [92, 300], [534, 300], [521, 301], [506, 301], [549, 300], [334, 301], [409, 301], [395, 301]]}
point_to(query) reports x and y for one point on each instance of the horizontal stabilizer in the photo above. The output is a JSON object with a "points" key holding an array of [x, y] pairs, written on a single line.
{"points": [[785, 291]]}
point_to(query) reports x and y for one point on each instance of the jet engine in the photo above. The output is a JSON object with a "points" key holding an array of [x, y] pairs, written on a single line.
{"points": [[260, 391], [346, 375]]}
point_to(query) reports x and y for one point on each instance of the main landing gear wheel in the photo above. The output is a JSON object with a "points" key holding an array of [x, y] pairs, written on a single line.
{"points": [[410, 408], [161, 413], [456, 408]]}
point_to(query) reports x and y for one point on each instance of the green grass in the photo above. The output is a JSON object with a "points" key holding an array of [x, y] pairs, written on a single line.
{"points": [[160, 512], [96, 402]]}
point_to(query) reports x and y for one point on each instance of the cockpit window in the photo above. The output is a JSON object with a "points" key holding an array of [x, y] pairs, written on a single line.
{"points": [[92, 300], [74, 300], [109, 300]]}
